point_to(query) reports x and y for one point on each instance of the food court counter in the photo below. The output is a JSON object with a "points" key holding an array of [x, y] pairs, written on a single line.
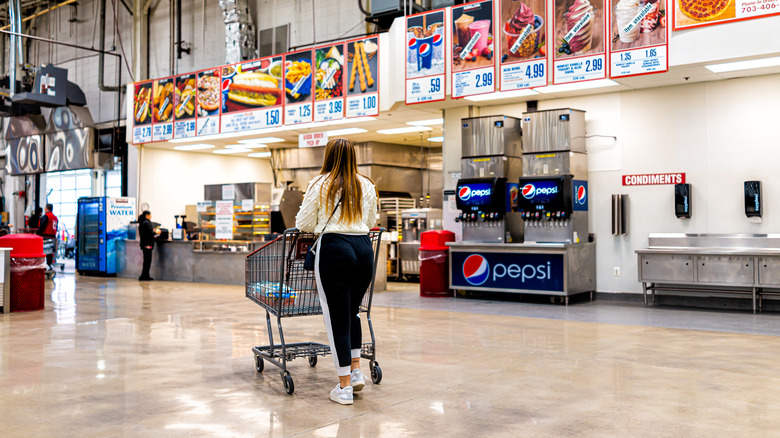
{"points": [[556, 269], [176, 261]]}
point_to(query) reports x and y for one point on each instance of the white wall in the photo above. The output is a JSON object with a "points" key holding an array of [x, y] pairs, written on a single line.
{"points": [[169, 180], [719, 134]]}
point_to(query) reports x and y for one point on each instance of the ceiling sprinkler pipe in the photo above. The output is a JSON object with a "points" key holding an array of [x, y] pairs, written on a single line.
{"points": [[12, 50], [102, 47]]}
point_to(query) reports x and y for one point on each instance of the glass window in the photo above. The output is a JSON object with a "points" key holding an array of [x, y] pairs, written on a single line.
{"points": [[68, 182], [83, 180], [83, 193]]}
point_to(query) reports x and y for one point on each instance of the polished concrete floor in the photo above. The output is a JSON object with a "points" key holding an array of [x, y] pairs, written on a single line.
{"points": [[114, 357]]}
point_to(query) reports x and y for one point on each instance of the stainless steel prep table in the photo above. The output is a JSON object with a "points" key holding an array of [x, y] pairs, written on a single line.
{"points": [[710, 263], [554, 269]]}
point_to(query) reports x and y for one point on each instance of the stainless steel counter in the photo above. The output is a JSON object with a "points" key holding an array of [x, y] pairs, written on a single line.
{"points": [[556, 269], [176, 261], [713, 264]]}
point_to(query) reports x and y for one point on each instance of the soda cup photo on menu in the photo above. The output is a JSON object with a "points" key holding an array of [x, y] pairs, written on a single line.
{"points": [[424, 56]]}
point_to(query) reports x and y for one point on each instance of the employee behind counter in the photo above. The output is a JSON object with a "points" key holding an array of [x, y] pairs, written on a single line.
{"points": [[146, 231]]}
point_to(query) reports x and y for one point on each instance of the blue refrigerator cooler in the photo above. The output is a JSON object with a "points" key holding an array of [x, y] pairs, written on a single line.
{"points": [[101, 223]]}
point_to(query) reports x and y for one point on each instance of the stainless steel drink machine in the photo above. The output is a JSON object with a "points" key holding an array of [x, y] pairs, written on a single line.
{"points": [[554, 209], [413, 222], [486, 211]]}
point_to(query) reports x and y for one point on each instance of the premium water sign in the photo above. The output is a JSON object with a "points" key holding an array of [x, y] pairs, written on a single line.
{"points": [[554, 208]]}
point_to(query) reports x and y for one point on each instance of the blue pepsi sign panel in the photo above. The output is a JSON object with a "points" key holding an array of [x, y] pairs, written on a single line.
{"points": [[481, 194], [507, 271], [546, 193], [580, 194]]}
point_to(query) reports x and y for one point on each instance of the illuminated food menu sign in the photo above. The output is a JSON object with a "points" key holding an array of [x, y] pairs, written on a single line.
{"points": [[163, 96], [580, 37], [142, 112], [329, 83], [696, 13], [298, 88], [473, 37], [184, 111], [363, 75], [209, 103], [639, 37], [251, 95], [523, 43], [425, 57]]}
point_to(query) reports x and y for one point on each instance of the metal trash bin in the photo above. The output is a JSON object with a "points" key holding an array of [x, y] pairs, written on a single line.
{"points": [[28, 271], [434, 263]]}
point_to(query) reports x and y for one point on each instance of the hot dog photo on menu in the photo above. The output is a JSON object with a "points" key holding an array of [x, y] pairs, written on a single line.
{"points": [[579, 28], [252, 85], [163, 100]]}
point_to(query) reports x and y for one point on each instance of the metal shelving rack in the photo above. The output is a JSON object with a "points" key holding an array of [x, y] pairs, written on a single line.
{"points": [[393, 207]]}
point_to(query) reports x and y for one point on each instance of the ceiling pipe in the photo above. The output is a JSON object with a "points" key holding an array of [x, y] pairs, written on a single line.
{"points": [[102, 56], [39, 13]]}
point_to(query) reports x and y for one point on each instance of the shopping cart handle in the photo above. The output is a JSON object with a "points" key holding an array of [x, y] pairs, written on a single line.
{"points": [[291, 230], [382, 229]]}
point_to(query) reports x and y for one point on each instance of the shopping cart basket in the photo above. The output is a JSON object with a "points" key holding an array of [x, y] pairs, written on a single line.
{"points": [[50, 248], [276, 280]]}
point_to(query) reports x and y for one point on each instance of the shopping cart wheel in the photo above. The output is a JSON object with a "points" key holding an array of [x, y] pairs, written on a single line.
{"points": [[288, 383], [313, 361], [376, 373], [259, 364]]}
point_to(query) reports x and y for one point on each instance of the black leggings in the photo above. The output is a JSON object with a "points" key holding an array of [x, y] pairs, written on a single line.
{"points": [[344, 267], [147, 262]]}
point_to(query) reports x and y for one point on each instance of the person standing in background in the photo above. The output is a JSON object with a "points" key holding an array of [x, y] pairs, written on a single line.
{"points": [[147, 232], [35, 220], [47, 228]]}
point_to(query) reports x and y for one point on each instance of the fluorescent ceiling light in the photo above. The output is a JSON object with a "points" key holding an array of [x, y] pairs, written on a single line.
{"points": [[436, 139], [426, 122], [502, 95], [744, 65], [350, 121], [194, 147], [345, 131], [246, 146], [403, 130], [263, 140], [576, 86], [260, 155], [232, 151]]}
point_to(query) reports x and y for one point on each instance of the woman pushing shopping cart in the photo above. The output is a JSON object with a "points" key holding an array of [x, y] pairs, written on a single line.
{"points": [[339, 206]]}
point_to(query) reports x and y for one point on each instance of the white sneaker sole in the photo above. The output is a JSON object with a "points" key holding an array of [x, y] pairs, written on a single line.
{"points": [[341, 401], [358, 385]]}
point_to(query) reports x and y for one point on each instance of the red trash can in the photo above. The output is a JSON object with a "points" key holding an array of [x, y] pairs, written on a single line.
{"points": [[434, 263], [28, 271]]}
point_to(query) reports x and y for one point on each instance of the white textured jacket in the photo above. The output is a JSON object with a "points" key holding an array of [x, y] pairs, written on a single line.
{"points": [[312, 215]]}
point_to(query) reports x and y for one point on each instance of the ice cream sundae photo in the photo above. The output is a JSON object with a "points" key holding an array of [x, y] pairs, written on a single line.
{"points": [[523, 30], [637, 23], [579, 27]]}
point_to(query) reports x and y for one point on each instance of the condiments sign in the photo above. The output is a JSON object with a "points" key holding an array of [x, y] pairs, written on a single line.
{"points": [[653, 179]]}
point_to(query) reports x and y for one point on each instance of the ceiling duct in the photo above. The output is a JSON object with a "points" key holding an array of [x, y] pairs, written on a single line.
{"points": [[239, 31], [23, 137], [71, 140], [52, 89]]}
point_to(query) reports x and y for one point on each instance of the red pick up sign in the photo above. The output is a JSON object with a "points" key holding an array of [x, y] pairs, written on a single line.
{"points": [[653, 179]]}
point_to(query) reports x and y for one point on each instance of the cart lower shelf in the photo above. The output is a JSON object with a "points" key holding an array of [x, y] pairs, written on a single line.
{"points": [[310, 350]]}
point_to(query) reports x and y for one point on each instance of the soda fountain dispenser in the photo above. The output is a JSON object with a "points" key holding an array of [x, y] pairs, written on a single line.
{"points": [[554, 209]]}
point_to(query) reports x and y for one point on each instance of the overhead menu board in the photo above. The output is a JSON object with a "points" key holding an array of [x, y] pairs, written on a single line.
{"points": [[696, 13], [579, 53], [142, 112], [298, 88], [209, 102], [252, 95], [329, 83], [185, 98], [639, 43], [163, 96], [473, 65], [523, 42], [363, 84], [425, 56]]}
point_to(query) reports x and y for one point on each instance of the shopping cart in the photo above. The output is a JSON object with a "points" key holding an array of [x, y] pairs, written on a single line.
{"points": [[50, 249], [276, 280]]}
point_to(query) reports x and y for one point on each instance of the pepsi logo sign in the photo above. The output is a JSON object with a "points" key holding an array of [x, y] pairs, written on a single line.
{"points": [[530, 191], [465, 193], [476, 269], [581, 195], [425, 49]]}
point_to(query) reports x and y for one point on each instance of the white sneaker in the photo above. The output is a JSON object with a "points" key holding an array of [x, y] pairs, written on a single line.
{"points": [[357, 380], [341, 395]]}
